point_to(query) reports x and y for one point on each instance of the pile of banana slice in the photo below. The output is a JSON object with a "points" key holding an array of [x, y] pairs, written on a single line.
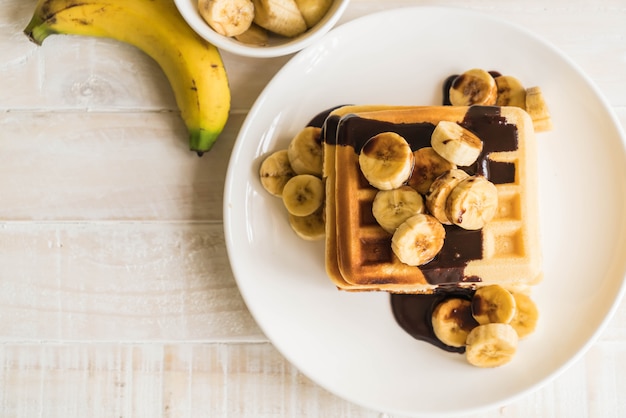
{"points": [[448, 195], [481, 87], [489, 326], [249, 21], [295, 175]]}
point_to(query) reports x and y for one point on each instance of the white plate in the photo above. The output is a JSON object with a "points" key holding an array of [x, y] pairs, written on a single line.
{"points": [[349, 343]]}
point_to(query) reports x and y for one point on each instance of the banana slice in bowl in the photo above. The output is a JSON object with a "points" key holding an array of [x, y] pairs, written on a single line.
{"points": [[280, 27]]}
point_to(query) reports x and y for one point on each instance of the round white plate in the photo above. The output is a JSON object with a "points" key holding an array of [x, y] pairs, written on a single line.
{"points": [[349, 343]]}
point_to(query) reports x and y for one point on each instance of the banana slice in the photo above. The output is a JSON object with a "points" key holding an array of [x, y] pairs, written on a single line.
{"points": [[491, 345], [456, 144], [227, 17], [392, 207], [303, 194], [255, 35], [472, 203], [537, 108], [305, 152], [473, 87], [279, 16], [493, 304], [427, 167], [418, 239], [511, 92], [313, 10], [275, 172], [386, 160], [526, 315], [311, 227], [440, 190], [452, 321]]}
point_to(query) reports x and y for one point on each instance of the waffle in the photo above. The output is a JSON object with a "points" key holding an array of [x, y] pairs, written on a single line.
{"points": [[506, 251], [329, 131]]}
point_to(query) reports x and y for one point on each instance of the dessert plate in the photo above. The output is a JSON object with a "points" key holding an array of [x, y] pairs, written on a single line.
{"points": [[349, 343]]}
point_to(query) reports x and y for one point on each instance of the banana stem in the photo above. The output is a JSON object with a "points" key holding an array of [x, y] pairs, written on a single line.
{"points": [[37, 30]]}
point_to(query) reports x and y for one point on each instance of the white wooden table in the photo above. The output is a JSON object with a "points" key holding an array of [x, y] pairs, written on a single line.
{"points": [[116, 295]]}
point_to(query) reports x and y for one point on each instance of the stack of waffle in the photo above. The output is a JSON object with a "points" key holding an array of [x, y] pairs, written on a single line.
{"points": [[505, 251]]}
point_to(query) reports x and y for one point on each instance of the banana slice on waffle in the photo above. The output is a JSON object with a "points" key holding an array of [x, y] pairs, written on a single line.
{"points": [[392, 207], [472, 203], [440, 190], [418, 239], [455, 143], [386, 160], [427, 167]]}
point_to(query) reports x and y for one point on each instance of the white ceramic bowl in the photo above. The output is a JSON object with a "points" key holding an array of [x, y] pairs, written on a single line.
{"points": [[278, 46]]}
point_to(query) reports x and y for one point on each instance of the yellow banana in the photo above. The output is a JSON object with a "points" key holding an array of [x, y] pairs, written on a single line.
{"points": [[193, 66]]}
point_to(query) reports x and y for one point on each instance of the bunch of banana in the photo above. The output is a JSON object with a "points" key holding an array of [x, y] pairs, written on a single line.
{"points": [[193, 67], [295, 175], [250, 20], [479, 87], [489, 326]]}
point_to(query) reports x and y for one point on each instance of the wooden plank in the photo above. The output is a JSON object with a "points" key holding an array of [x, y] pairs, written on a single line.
{"points": [[240, 380], [108, 166], [197, 380], [119, 282]]}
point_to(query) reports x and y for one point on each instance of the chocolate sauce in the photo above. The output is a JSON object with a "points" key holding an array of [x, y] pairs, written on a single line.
{"points": [[499, 172], [492, 128], [355, 132], [319, 119], [414, 312]]}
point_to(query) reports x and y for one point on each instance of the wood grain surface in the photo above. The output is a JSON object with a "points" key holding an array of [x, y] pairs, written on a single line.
{"points": [[116, 294]]}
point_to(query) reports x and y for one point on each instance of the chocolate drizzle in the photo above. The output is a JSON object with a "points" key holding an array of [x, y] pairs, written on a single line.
{"points": [[414, 312]]}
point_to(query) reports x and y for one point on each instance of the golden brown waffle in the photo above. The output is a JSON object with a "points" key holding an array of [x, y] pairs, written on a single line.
{"points": [[329, 132], [506, 251]]}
